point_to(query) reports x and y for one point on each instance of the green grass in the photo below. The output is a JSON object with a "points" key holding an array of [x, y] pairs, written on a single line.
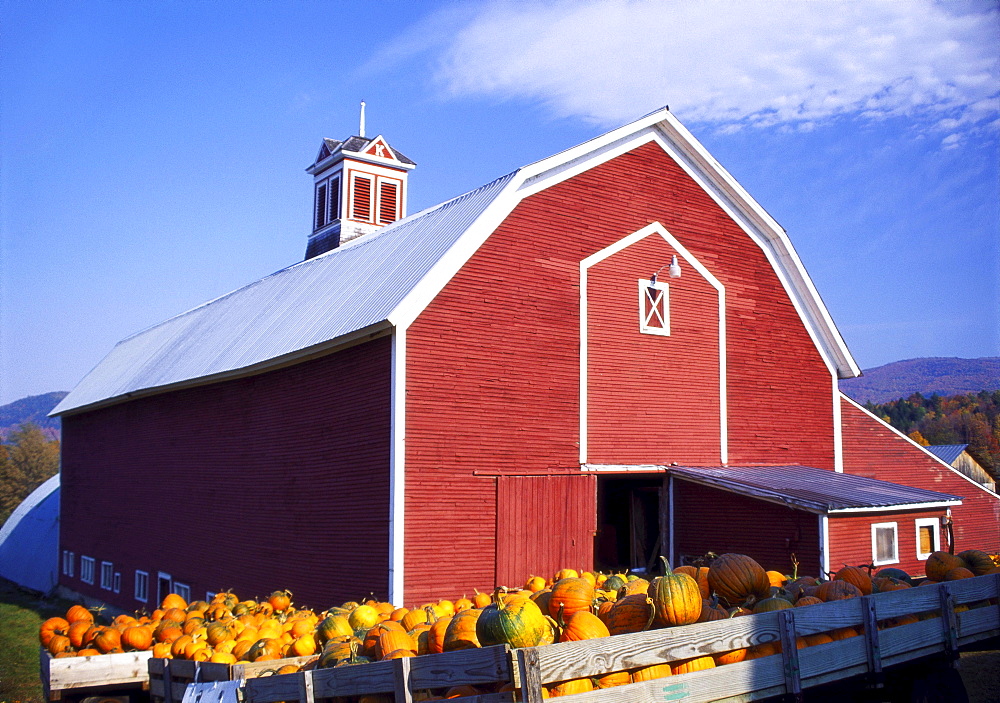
{"points": [[21, 613]]}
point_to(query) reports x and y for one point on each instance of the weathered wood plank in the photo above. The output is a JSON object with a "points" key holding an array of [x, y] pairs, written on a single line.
{"points": [[469, 666], [126, 669]]}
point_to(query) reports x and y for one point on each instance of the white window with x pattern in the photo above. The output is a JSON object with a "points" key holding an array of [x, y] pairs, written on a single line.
{"points": [[654, 307]]}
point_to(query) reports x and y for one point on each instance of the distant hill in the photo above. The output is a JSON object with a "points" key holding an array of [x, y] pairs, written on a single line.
{"points": [[34, 408], [942, 375]]}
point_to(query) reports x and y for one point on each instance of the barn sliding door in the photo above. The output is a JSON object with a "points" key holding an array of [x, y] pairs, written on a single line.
{"points": [[544, 523]]}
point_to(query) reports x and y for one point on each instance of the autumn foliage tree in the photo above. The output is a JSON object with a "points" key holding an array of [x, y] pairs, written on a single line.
{"points": [[27, 459], [972, 419]]}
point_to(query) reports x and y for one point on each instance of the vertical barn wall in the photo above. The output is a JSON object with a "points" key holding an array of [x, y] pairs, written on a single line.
{"points": [[709, 520], [493, 363], [279, 480], [873, 449]]}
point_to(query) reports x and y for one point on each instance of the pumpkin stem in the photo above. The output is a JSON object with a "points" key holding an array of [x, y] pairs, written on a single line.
{"points": [[795, 567], [652, 614], [667, 571], [559, 617]]}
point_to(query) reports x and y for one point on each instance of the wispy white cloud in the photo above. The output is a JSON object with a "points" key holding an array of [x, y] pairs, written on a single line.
{"points": [[735, 64]]}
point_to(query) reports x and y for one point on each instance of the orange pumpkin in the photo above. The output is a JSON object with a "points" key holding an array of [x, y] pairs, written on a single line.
{"points": [[689, 665], [571, 595], [583, 625], [52, 626], [648, 673], [107, 640], [137, 637], [280, 600], [856, 575], [733, 657], [676, 598], [630, 614], [957, 573], [461, 632], [940, 563], [172, 600], [568, 688], [699, 574], [59, 644], [77, 613], [737, 577], [837, 590], [978, 562]]}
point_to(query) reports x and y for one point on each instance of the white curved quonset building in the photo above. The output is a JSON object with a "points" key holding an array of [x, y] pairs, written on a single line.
{"points": [[29, 540]]}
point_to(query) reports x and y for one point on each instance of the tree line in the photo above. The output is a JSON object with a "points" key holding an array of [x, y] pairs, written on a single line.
{"points": [[27, 459], [972, 419]]}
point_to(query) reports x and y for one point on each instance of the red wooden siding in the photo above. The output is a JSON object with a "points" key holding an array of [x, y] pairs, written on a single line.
{"points": [[851, 539], [709, 520], [640, 386], [544, 523], [871, 448], [493, 362], [275, 481]]}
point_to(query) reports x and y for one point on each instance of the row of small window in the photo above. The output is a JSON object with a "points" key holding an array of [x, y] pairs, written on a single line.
{"points": [[111, 580], [373, 199], [885, 540]]}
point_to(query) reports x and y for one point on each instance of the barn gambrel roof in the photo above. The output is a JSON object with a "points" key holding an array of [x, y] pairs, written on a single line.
{"points": [[385, 279]]}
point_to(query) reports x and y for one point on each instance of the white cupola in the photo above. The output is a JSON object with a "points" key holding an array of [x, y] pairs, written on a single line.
{"points": [[359, 186]]}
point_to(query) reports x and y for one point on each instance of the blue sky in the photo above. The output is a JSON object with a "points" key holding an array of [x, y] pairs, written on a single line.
{"points": [[152, 154]]}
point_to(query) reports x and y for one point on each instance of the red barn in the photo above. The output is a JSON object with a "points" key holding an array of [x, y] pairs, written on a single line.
{"points": [[609, 354]]}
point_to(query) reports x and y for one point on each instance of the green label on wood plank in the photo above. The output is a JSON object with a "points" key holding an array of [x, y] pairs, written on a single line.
{"points": [[675, 692]]}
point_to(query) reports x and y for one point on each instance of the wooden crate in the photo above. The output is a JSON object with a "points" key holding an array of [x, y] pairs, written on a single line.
{"points": [[92, 675], [168, 678], [488, 665]]}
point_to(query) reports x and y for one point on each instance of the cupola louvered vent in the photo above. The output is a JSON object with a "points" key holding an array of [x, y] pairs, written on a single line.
{"points": [[362, 209], [388, 197]]}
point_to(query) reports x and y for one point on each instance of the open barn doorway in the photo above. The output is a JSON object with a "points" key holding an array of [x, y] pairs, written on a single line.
{"points": [[630, 523]]}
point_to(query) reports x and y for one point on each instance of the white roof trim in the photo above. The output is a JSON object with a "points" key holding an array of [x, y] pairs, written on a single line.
{"points": [[662, 127], [923, 449], [896, 508]]}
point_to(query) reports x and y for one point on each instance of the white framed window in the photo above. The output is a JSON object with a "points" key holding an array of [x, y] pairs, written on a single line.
{"points": [[654, 307], [928, 536], [164, 585], [107, 575], [209, 595], [885, 543], [141, 586], [117, 586], [183, 590], [87, 569], [68, 560]]}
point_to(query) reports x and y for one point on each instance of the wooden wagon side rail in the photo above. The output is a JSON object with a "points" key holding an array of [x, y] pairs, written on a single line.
{"points": [[790, 672], [401, 677], [74, 674], [168, 678]]}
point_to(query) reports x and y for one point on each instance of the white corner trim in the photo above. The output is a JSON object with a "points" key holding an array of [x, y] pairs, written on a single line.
{"points": [[923, 449], [689, 258], [397, 468], [824, 544], [838, 428]]}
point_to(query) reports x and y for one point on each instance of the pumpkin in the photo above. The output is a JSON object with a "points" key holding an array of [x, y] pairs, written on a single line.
{"points": [[842, 633], [363, 617], [413, 618], [737, 577], [699, 574], [940, 563], [77, 613], [568, 688], [733, 657], [776, 578], [689, 665], [107, 640], [571, 595], [807, 600], [893, 572], [515, 620], [52, 626], [137, 637], [959, 573], [885, 584], [648, 673], [332, 626], [481, 600], [392, 640], [566, 574], [812, 640], [280, 600], [676, 598], [769, 605], [614, 582], [856, 575], [436, 635], [977, 561], [615, 678], [582, 625], [764, 649], [77, 631], [633, 586], [58, 644], [172, 600], [461, 632], [837, 590], [630, 614], [711, 610]]}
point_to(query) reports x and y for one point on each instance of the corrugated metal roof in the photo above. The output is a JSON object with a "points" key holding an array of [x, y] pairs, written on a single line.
{"points": [[29, 540], [946, 452], [809, 488], [321, 299]]}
